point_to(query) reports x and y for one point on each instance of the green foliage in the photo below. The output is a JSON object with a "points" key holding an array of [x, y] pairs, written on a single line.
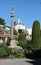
{"points": [[18, 53], [28, 50], [29, 45], [2, 21], [40, 32], [15, 32], [34, 54], [4, 51], [22, 40], [36, 35], [40, 36], [22, 37], [28, 53], [23, 44]]}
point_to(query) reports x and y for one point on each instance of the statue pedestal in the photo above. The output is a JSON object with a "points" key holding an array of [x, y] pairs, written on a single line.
{"points": [[13, 43]]}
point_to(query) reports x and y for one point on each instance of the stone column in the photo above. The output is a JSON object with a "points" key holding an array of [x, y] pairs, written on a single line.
{"points": [[12, 44], [12, 22]]}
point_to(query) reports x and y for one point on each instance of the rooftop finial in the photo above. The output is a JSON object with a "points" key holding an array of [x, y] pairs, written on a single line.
{"points": [[19, 21]]}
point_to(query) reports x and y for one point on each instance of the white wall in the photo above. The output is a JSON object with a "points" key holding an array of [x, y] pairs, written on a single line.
{"points": [[29, 31], [19, 26]]}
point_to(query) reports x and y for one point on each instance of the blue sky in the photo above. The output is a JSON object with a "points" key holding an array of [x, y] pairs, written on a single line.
{"points": [[26, 10]]}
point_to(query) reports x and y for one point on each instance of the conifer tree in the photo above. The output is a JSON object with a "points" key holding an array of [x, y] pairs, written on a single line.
{"points": [[36, 35]]}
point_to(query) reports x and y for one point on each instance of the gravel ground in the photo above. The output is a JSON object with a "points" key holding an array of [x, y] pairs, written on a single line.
{"points": [[20, 61], [15, 61]]}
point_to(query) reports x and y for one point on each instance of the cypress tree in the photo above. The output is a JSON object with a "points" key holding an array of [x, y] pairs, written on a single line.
{"points": [[36, 35]]}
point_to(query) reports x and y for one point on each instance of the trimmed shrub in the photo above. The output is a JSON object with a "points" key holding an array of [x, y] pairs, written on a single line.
{"points": [[18, 53], [4, 51]]}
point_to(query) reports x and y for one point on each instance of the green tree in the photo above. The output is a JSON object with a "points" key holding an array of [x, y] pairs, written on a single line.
{"points": [[2, 21], [22, 40], [15, 32], [22, 37], [40, 32], [36, 35]]}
